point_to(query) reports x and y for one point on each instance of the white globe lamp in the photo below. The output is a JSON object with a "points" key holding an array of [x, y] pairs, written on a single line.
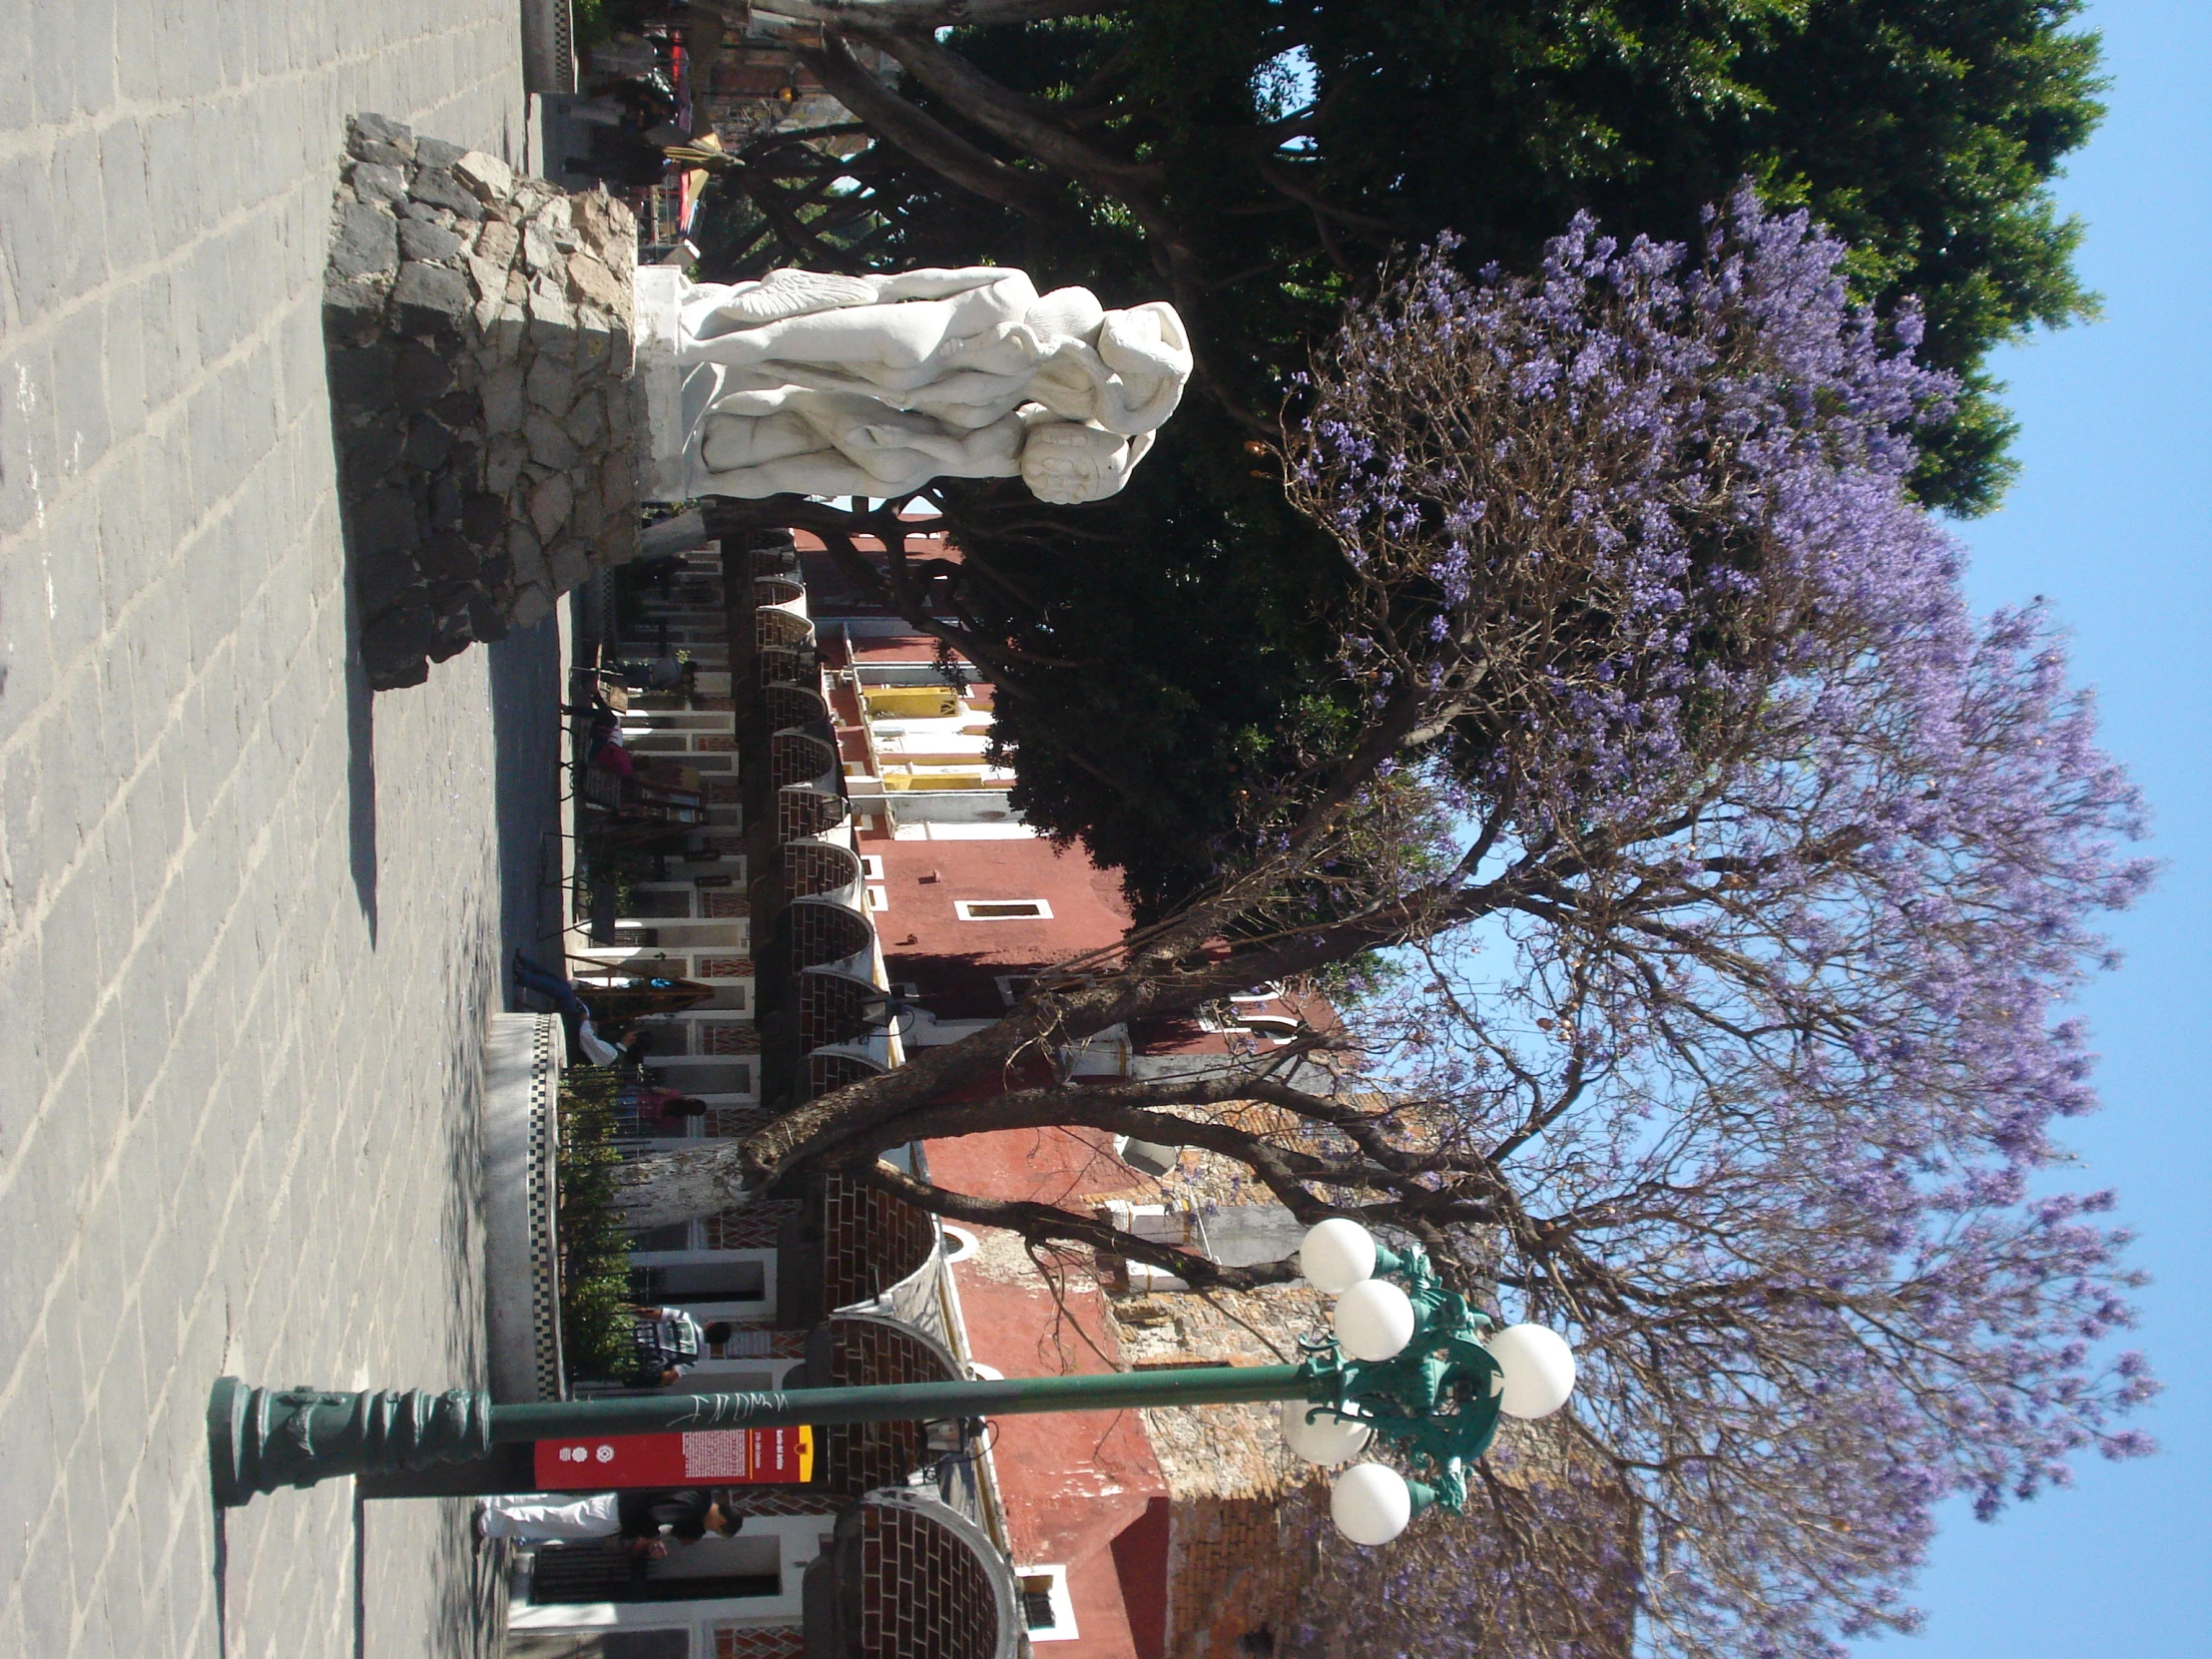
{"points": [[1538, 1366], [1327, 1440], [1371, 1505], [1374, 1320], [1337, 1255]]}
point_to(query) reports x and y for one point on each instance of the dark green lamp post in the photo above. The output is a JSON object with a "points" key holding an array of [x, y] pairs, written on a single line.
{"points": [[1417, 1367]]}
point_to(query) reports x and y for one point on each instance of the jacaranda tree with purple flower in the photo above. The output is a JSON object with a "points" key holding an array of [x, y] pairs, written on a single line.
{"points": [[1744, 872]]}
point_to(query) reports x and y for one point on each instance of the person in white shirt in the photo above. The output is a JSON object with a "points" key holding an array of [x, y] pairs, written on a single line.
{"points": [[601, 1052], [642, 1520], [629, 1045]]}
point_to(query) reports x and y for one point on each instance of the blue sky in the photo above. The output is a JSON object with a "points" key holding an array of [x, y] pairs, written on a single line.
{"points": [[2111, 520]]}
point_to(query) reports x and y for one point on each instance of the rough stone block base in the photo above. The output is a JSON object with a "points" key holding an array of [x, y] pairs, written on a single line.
{"points": [[478, 329]]}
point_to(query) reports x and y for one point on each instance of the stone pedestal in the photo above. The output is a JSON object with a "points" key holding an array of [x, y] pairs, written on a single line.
{"points": [[479, 325], [672, 397]]}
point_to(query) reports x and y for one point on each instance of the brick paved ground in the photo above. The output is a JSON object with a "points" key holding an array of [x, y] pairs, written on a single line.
{"points": [[246, 924]]}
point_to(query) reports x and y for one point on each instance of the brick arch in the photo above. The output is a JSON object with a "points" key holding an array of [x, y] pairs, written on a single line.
{"points": [[870, 1241], [802, 811], [833, 1008], [790, 704], [771, 553], [926, 1594], [907, 1578], [776, 628], [781, 665], [812, 868], [734, 1641], [777, 590], [828, 1071], [861, 1350], [799, 757], [823, 932]]}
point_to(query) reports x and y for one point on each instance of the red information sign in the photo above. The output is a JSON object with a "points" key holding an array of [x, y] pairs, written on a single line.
{"points": [[710, 1457]]}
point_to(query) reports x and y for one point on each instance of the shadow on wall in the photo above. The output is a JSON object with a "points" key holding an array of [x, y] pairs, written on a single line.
{"points": [[361, 756], [477, 326]]}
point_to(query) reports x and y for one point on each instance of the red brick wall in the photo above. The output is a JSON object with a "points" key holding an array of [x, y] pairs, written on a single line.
{"points": [[812, 868], [924, 1595], [751, 1227], [728, 1122], [805, 813], [1238, 1566], [864, 1456], [722, 1037], [798, 758], [870, 1241], [1241, 1519], [830, 1009], [825, 932], [792, 706], [776, 630]]}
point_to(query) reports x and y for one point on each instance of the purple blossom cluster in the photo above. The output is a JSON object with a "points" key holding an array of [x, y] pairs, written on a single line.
{"points": [[1741, 1042]]}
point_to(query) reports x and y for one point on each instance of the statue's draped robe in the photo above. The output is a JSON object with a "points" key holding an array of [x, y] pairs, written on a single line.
{"points": [[873, 385]]}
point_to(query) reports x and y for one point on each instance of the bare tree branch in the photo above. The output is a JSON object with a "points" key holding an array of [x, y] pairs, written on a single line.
{"points": [[931, 14], [1039, 1223], [1019, 120], [926, 138]]}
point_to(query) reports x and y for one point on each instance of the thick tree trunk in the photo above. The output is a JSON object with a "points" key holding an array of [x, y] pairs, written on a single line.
{"points": [[671, 1187], [848, 1125]]}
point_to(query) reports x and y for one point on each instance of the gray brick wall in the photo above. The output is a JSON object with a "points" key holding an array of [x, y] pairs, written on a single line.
{"points": [[247, 925]]}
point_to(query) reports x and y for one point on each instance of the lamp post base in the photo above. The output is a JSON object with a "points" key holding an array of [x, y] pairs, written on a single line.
{"points": [[262, 1439]]}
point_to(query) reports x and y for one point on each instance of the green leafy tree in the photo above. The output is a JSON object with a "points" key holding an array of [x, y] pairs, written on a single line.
{"points": [[1256, 162]]}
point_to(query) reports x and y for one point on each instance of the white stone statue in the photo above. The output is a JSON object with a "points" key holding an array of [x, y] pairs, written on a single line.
{"points": [[822, 384]]}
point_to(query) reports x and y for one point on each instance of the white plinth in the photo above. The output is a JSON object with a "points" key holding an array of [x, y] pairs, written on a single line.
{"points": [[676, 397]]}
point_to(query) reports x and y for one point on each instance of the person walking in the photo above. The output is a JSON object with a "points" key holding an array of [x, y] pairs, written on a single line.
{"points": [[667, 1343], [548, 1518], [642, 1520], [667, 1110]]}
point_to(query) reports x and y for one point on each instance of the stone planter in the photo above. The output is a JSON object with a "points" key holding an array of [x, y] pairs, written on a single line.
{"points": [[522, 1075]]}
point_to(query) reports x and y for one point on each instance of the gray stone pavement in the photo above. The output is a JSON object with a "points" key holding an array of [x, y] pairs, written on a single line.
{"points": [[247, 919]]}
